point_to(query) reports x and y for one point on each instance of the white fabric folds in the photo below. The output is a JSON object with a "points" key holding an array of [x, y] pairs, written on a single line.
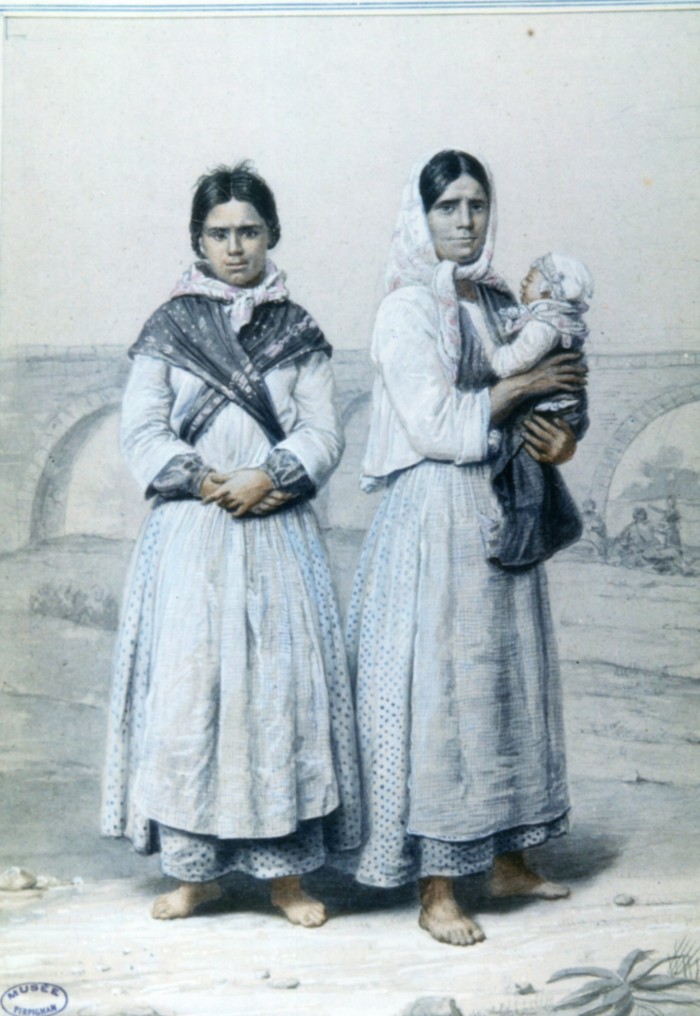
{"points": [[231, 707]]}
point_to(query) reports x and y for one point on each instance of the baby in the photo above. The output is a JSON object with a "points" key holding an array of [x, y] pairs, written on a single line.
{"points": [[538, 514], [550, 317]]}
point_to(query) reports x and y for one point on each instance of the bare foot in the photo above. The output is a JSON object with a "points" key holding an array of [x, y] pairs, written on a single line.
{"points": [[442, 916], [184, 900], [512, 877], [296, 905]]}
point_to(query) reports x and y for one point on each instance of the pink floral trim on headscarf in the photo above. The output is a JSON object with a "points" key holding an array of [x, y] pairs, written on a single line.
{"points": [[241, 301], [413, 262]]}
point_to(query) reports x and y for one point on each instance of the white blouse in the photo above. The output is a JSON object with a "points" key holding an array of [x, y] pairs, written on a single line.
{"points": [[417, 412], [158, 397]]}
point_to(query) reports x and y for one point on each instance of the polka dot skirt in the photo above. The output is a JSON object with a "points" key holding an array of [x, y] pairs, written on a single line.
{"points": [[458, 701], [191, 857]]}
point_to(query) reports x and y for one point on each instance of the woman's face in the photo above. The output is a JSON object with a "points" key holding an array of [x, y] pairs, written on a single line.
{"points": [[459, 219], [234, 241]]}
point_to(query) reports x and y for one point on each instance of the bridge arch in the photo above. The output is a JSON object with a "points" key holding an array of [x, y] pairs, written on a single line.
{"points": [[629, 429], [48, 478]]}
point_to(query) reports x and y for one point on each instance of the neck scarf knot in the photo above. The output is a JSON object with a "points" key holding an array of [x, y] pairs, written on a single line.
{"points": [[240, 301]]}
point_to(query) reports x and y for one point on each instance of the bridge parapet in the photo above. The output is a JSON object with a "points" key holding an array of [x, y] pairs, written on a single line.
{"points": [[54, 398]]}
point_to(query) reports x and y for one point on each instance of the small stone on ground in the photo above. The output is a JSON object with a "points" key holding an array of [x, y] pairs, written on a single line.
{"points": [[433, 1005], [14, 879]]}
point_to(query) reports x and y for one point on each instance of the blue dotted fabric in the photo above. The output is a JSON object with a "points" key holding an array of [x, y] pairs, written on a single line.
{"points": [[458, 699], [130, 682], [190, 857]]}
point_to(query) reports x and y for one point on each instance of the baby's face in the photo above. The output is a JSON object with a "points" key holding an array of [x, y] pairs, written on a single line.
{"points": [[533, 287]]}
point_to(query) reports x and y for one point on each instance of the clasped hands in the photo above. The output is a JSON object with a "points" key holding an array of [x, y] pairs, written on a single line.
{"points": [[244, 492], [251, 491]]}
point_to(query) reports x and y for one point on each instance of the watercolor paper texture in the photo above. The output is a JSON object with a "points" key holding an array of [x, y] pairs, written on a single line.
{"points": [[589, 122]]}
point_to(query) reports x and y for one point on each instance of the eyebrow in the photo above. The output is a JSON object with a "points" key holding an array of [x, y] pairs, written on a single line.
{"points": [[225, 229], [442, 202]]}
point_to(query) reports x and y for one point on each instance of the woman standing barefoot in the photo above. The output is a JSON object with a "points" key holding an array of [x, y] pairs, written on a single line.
{"points": [[231, 743], [458, 699]]}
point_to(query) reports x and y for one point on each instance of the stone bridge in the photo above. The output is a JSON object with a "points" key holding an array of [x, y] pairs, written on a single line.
{"points": [[55, 399]]}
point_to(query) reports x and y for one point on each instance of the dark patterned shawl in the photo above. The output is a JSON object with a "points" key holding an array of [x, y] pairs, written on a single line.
{"points": [[195, 334]]}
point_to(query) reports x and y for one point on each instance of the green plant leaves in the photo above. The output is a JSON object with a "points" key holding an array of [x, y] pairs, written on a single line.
{"points": [[659, 982], [606, 975], [618, 993], [660, 963], [623, 1008], [672, 999], [590, 991], [612, 998], [631, 960]]}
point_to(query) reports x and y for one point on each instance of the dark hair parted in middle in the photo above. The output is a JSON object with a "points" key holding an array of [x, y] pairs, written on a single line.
{"points": [[222, 185], [443, 169]]}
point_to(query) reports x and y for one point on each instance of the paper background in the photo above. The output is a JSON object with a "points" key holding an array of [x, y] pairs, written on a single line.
{"points": [[589, 122]]}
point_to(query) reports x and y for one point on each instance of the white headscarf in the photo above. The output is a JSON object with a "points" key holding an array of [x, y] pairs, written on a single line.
{"points": [[413, 262], [240, 301]]}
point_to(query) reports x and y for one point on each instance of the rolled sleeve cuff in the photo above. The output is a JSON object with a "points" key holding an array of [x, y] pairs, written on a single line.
{"points": [[288, 474], [181, 477]]}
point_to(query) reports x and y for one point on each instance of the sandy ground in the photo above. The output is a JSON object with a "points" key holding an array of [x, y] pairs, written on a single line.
{"points": [[98, 942], [629, 645]]}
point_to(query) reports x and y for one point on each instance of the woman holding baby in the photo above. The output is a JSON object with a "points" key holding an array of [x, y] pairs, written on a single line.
{"points": [[458, 696], [232, 745]]}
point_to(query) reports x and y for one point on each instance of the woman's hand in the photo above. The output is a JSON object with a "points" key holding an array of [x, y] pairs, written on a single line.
{"points": [[271, 502], [550, 441], [211, 482], [237, 493], [563, 372]]}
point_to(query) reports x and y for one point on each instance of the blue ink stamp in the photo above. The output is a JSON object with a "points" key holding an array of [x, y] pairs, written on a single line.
{"points": [[34, 998]]}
